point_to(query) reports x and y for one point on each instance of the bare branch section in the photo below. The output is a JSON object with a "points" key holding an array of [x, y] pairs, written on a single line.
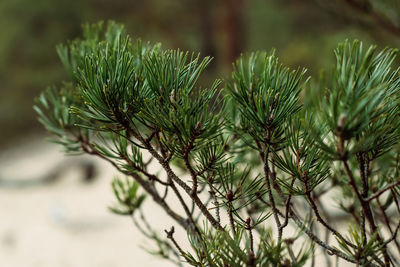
{"points": [[383, 190], [88, 148]]}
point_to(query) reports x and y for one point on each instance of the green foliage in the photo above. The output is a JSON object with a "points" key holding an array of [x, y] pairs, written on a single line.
{"points": [[363, 248], [250, 156], [60, 121], [185, 114], [126, 192], [266, 93], [226, 250], [361, 102], [301, 159]]}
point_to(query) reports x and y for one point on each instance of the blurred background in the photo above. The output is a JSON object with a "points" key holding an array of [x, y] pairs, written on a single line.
{"points": [[47, 201]]}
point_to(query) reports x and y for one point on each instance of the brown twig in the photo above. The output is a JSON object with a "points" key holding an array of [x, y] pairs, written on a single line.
{"points": [[186, 153], [380, 192], [287, 207], [252, 259], [320, 219], [229, 198], [216, 204], [170, 236], [151, 235], [188, 213], [264, 157], [318, 241]]}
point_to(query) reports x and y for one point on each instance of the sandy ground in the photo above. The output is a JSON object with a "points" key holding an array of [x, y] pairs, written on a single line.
{"points": [[66, 223]]}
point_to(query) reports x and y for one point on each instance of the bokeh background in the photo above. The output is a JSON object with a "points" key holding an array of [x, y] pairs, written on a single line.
{"points": [[304, 32], [45, 197]]}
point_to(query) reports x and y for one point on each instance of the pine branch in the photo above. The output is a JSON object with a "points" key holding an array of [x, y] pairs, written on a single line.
{"points": [[240, 146]]}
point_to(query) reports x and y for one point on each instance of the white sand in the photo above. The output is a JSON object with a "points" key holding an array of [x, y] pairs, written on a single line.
{"points": [[66, 223]]}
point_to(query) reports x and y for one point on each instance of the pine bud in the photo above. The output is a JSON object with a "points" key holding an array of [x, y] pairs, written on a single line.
{"points": [[172, 96], [271, 118], [286, 263], [229, 196], [341, 121], [198, 125], [248, 221], [351, 208], [276, 98], [289, 241]]}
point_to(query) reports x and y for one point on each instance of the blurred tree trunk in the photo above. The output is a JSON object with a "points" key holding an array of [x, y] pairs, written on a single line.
{"points": [[207, 29], [234, 24]]}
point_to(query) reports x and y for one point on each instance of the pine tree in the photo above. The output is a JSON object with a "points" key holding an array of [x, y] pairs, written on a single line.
{"points": [[261, 150]]}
